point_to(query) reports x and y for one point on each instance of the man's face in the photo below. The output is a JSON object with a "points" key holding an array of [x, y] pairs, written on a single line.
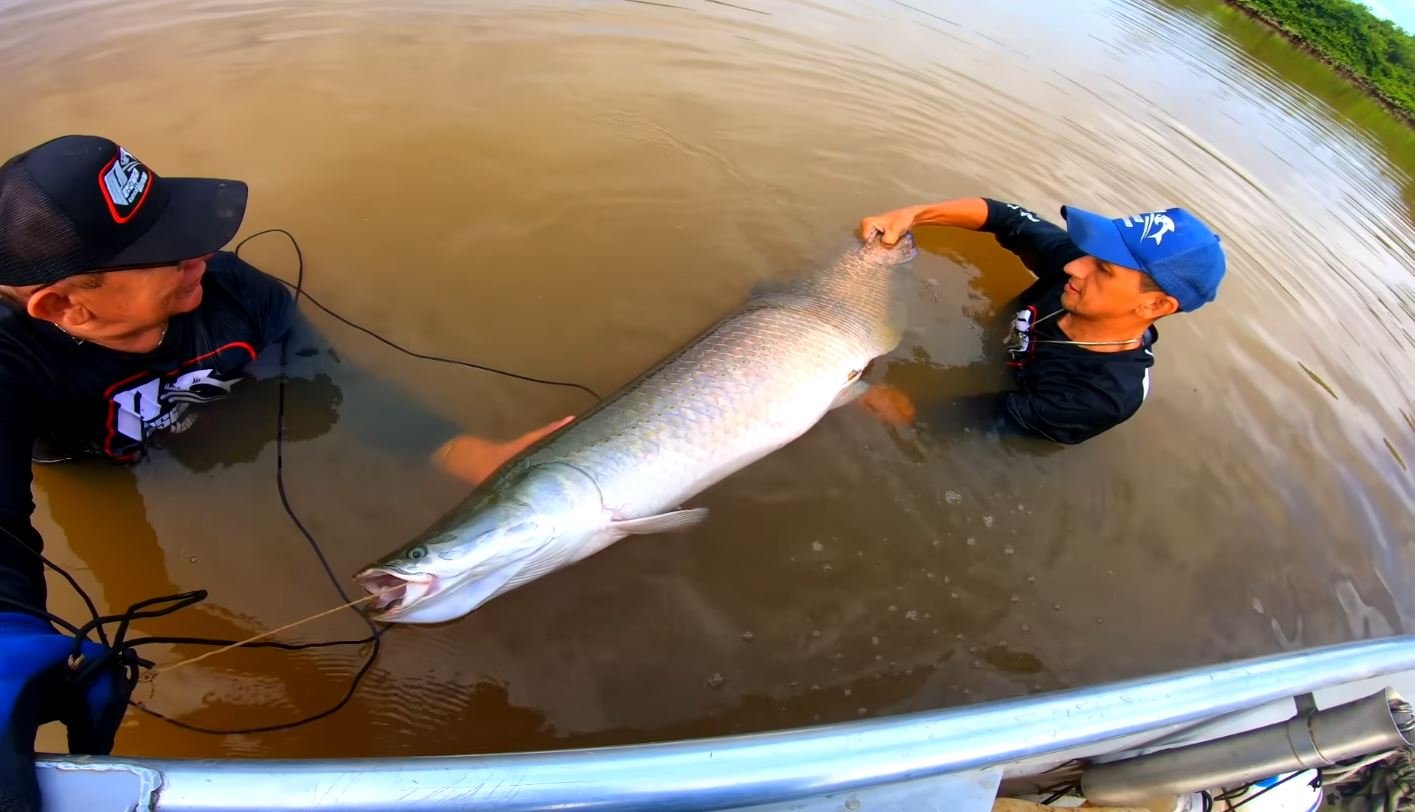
{"points": [[1099, 289], [143, 297]]}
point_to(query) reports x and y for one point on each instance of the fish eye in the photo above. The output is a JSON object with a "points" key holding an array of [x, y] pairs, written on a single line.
{"points": [[417, 552]]}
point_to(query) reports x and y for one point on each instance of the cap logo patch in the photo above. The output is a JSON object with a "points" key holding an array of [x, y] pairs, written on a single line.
{"points": [[125, 183], [1157, 224]]}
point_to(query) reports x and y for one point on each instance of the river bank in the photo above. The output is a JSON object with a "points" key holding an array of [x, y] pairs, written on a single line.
{"points": [[1297, 38]]}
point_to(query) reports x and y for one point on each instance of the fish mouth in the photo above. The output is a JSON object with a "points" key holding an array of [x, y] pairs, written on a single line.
{"points": [[396, 591]]}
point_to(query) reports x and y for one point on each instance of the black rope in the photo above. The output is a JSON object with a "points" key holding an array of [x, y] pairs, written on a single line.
{"points": [[52, 618], [375, 634], [216, 641], [1234, 794], [38, 611], [187, 599], [1061, 793], [314, 717], [297, 285], [440, 359], [118, 647]]}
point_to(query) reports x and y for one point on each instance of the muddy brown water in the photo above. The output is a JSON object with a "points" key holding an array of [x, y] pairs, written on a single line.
{"points": [[573, 189]]}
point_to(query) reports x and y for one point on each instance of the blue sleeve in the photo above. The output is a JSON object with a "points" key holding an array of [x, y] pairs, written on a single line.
{"points": [[1044, 247]]}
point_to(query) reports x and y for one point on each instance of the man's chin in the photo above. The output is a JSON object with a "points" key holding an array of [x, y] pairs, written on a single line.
{"points": [[188, 301]]}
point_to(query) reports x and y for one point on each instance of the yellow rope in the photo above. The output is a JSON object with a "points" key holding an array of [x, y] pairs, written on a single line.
{"points": [[151, 675]]}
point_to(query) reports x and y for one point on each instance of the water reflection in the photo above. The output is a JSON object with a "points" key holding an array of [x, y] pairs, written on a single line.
{"points": [[129, 568], [240, 428]]}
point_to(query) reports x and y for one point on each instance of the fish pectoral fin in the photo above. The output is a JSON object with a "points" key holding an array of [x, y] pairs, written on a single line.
{"points": [[662, 523], [852, 390], [483, 589]]}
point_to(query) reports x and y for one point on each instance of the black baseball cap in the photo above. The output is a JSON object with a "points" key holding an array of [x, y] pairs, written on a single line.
{"points": [[80, 203]]}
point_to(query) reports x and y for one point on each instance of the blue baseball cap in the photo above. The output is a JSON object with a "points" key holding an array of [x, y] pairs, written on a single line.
{"points": [[1174, 247]]}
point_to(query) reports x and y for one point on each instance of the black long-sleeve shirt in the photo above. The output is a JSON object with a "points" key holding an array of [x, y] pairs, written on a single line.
{"points": [[1065, 393], [83, 398]]}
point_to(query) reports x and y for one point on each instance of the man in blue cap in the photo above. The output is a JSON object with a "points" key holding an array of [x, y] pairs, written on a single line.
{"points": [[1081, 347]]}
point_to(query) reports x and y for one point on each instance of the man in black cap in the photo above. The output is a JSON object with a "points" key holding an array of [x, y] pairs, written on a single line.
{"points": [[122, 318]]}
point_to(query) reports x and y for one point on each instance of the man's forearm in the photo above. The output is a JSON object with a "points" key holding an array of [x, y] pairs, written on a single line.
{"points": [[391, 416], [966, 212]]}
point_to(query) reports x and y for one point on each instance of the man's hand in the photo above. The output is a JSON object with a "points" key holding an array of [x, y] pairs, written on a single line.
{"points": [[473, 458], [889, 405], [890, 226], [965, 212]]}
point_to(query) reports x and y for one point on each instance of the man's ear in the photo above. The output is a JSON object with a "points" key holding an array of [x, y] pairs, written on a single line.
{"points": [[1159, 305], [52, 304]]}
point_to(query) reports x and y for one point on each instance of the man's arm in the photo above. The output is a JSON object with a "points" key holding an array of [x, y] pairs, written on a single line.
{"points": [[967, 212], [21, 570], [24, 638], [271, 307], [32, 686], [1044, 247], [1064, 410]]}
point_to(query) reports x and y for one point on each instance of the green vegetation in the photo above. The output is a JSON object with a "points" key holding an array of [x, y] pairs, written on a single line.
{"points": [[1372, 51]]}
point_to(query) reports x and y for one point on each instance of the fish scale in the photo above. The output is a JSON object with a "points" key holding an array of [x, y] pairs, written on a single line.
{"points": [[753, 382]]}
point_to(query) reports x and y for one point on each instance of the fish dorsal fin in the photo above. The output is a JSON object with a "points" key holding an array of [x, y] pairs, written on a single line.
{"points": [[662, 523]]}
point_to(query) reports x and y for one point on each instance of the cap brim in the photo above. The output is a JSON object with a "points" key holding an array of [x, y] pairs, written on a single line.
{"points": [[1098, 236], [201, 216]]}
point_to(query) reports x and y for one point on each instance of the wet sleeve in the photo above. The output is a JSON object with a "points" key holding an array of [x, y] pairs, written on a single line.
{"points": [[267, 302], [1043, 246], [21, 571], [388, 416], [1063, 411]]}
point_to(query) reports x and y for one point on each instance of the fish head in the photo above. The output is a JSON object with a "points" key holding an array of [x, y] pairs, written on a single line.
{"points": [[474, 553]]}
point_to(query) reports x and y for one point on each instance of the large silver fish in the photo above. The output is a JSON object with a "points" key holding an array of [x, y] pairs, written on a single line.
{"points": [[750, 384]]}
